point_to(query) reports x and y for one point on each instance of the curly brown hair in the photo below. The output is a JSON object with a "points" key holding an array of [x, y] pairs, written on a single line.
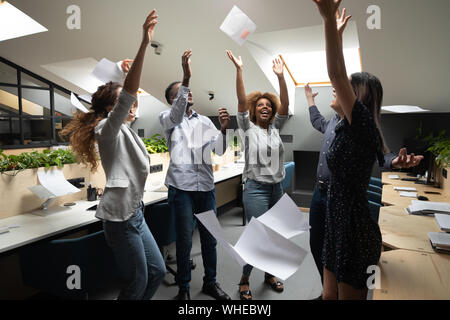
{"points": [[254, 97], [82, 128]]}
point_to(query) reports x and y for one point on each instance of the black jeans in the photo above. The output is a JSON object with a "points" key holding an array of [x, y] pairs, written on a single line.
{"points": [[317, 214]]}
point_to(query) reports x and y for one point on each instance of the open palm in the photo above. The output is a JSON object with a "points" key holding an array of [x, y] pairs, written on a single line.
{"points": [[237, 61]]}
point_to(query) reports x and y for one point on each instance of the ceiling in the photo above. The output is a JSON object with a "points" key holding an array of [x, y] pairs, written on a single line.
{"points": [[410, 54]]}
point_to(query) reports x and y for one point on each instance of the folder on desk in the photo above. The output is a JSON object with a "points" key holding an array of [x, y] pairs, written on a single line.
{"points": [[418, 207], [443, 221], [440, 241]]}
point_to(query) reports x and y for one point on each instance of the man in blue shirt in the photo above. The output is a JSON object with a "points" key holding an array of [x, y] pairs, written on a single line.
{"points": [[191, 138], [319, 200]]}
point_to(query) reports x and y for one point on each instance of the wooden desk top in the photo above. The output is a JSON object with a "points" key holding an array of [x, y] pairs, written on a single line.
{"points": [[400, 230], [392, 197], [397, 182], [411, 275], [60, 219]]}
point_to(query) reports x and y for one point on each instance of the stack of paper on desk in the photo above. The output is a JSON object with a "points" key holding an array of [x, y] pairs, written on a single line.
{"points": [[440, 241], [264, 243], [394, 176], [405, 189], [408, 194], [428, 208], [443, 221]]}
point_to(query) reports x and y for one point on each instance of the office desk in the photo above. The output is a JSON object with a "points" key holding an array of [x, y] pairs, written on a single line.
{"points": [[62, 219], [411, 275], [396, 182], [400, 230], [392, 197]]}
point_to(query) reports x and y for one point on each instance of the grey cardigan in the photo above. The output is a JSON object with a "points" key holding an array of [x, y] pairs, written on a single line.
{"points": [[125, 161]]}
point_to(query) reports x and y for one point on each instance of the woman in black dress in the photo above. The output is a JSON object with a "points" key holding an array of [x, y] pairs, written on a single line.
{"points": [[352, 238]]}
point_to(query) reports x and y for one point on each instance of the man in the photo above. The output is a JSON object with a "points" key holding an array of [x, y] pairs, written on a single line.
{"points": [[319, 201], [191, 138]]}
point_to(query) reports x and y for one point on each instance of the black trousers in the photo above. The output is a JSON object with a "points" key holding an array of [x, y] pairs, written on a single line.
{"points": [[318, 210]]}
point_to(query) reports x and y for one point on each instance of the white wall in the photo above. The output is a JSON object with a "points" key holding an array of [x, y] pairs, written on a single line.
{"points": [[149, 110]]}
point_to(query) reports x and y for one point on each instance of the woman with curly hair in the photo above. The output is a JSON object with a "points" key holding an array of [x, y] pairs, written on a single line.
{"points": [[260, 117], [126, 164]]}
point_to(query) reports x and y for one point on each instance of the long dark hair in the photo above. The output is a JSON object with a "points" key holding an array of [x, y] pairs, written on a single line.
{"points": [[369, 91], [81, 128]]}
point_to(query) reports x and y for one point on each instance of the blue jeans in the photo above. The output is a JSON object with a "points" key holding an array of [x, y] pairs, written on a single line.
{"points": [[258, 198], [139, 260], [317, 215], [184, 205]]}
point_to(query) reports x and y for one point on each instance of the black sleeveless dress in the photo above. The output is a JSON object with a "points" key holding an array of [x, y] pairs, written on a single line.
{"points": [[352, 238]]}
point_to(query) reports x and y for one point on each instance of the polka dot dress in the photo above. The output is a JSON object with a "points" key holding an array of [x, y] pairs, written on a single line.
{"points": [[352, 238]]}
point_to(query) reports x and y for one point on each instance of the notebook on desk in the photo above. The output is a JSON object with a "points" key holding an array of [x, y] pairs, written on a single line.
{"points": [[440, 241], [418, 207], [443, 221]]}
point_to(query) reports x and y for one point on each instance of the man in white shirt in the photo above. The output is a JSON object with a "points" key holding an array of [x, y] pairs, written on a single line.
{"points": [[191, 138]]}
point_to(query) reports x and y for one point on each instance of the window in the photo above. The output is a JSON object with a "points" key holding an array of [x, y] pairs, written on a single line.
{"points": [[311, 66], [33, 110]]}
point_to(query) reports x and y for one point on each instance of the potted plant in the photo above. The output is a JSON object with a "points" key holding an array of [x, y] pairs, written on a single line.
{"points": [[158, 150]]}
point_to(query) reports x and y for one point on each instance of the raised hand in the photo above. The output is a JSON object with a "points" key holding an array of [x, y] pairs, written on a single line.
{"points": [[237, 61], [186, 64], [149, 27], [125, 65], [328, 8], [224, 119], [310, 95], [278, 67], [405, 161], [341, 21]]}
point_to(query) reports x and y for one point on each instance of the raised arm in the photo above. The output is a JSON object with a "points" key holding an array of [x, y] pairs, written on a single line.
{"points": [[240, 89], [131, 84], [278, 68], [334, 27], [317, 120]]}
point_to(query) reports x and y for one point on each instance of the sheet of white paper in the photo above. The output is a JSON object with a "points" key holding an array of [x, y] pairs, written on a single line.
{"points": [[405, 189], [285, 218], [238, 26], [394, 176], [209, 220], [54, 181], [404, 109], [76, 103], [408, 194], [443, 221], [41, 192], [268, 251], [107, 70], [86, 97], [4, 230]]}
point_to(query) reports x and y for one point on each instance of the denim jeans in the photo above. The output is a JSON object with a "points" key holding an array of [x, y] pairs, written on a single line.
{"points": [[184, 205], [317, 215], [139, 260], [258, 198]]}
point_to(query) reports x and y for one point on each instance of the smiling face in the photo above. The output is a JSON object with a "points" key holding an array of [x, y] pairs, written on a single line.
{"points": [[263, 111], [132, 113]]}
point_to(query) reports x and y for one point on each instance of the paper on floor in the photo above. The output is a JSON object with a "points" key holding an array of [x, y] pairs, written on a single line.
{"points": [[264, 243], [238, 26]]}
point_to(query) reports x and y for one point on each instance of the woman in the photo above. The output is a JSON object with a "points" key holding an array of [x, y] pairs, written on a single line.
{"points": [[352, 238], [126, 164], [260, 117]]}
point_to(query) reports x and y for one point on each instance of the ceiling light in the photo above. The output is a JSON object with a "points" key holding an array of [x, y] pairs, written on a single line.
{"points": [[14, 23]]}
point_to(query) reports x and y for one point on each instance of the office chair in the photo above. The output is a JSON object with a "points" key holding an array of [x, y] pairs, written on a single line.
{"points": [[376, 182], [374, 210], [161, 223], [45, 266], [374, 197], [375, 189]]}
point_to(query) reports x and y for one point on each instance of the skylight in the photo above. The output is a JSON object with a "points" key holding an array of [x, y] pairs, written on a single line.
{"points": [[311, 67], [14, 23]]}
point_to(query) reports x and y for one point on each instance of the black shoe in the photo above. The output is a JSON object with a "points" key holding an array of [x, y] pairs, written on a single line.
{"points": [[214, 291], [183, 295]]}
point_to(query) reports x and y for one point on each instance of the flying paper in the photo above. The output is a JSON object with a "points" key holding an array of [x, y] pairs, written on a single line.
{"points": [[107, 70], [77, 104], [238, 26]]}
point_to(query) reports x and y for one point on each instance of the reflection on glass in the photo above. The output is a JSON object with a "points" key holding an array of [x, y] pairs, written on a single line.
{"points": [[37, 131], [9, 131], [63, 104], [35, 102], [9, 102], [27, 80], [7, 74]]}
